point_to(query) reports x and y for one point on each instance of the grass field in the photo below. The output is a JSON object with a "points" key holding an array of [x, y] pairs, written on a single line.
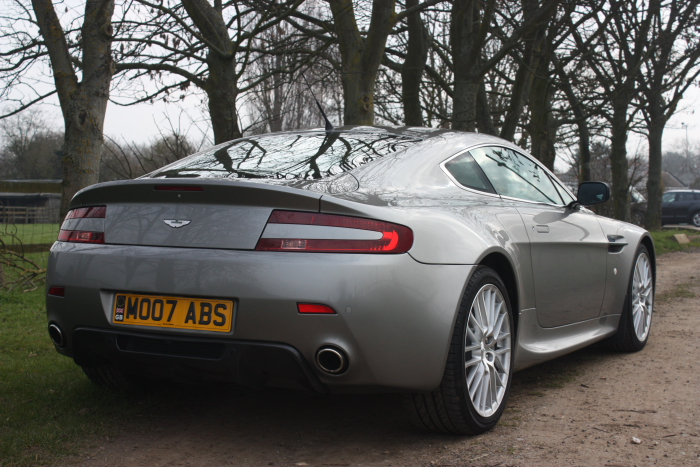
{"points": [[48, 408], [664, 241], [29, 234]]}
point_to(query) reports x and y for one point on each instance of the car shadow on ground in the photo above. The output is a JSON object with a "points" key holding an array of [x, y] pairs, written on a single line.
{"points": [[282, 426]]}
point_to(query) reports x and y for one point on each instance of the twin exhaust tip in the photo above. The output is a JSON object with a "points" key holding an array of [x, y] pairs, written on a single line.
{"points": [[57, 335], [332, 360]]}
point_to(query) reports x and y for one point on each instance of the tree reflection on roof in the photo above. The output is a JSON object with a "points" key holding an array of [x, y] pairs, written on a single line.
{"points": [[288, 156]]}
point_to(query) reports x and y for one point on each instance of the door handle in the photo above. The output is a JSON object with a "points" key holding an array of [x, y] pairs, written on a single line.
{"points": [[541, 228]]}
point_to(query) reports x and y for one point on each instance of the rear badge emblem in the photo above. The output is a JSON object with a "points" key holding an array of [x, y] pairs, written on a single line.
{"points": [[176, 223]]}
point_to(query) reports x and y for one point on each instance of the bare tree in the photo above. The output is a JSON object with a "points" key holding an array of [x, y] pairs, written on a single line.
{"points": [[30, 147], [671, 69], [82, 70], [198, 43]]}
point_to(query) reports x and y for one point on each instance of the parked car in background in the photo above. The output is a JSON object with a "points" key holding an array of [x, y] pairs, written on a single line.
{"points": [[638, 207], [680, 207]]}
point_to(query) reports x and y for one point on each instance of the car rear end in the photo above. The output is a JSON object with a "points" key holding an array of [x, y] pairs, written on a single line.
{"points": [[226, 280]]}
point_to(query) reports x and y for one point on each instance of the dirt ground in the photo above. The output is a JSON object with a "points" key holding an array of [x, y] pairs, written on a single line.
{"points": [[586, 409]]}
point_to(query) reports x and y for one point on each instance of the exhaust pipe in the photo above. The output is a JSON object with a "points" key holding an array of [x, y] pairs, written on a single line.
{"points": [[332, 360], [57, 335]]}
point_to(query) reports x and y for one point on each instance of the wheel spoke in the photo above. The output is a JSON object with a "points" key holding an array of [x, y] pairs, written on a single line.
{"points": [[473, 361]]}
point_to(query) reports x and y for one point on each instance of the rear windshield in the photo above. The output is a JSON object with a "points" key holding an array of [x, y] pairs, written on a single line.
{"points": [[288, 156]]}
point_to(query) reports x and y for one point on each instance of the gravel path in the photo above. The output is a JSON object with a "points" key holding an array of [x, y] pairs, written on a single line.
{"points": [[586, 409]]}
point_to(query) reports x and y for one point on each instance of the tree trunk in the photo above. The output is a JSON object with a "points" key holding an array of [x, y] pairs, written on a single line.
{"points": [[584, 138], [655, 189], [484, 122], [83, 141], [463, 29], [618, 159], [221, 87], [361, 57], [84, 103], [413, 66], [543, 126]]}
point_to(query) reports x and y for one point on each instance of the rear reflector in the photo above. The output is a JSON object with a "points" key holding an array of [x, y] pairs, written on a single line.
{"points": [[177, 188], [314, 309], [81, 236], [395, 238], [57, 291]]}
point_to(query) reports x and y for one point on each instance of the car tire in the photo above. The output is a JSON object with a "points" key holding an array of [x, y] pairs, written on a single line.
{"points": [[635, 321], [463, 404], [695, 219], [113, 378]]}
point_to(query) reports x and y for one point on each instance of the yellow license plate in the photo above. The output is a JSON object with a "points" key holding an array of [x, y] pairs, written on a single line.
{"points": [[174, 312]]}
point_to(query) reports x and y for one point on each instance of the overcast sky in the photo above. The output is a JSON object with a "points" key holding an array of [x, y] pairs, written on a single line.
{"points": [[143, 122]]}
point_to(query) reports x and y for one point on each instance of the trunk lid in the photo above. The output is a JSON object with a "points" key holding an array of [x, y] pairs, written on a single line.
{"points": [[219, 214]]}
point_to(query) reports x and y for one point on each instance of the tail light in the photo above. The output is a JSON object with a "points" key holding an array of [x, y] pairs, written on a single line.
{"points": [[329, 233], [80, 226]]}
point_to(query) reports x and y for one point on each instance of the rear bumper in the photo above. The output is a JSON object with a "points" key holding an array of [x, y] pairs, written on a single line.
{"points": [[394, 318], [253, 364]]}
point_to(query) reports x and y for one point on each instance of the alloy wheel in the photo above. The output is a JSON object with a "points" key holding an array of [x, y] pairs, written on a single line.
{"points": [[642, 297], [487, 350]]}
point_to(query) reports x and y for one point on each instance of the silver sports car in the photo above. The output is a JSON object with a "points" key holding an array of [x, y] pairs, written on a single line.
{"points": [[428, 262]]}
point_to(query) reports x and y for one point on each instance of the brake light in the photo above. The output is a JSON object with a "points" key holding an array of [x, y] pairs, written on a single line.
{"points": [[394, 238], [83, 236], [177, 188]]}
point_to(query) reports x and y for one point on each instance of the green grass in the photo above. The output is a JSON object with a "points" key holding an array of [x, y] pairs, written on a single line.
{"points": [[42, 393], [29, 234], [665, 243]]}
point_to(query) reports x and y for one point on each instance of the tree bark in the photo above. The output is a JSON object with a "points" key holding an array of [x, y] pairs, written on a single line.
{"points": [[361, 57], [535, 51], [465, 36], [618, 158], [484, 122], [221, 85], [584, 136], [543, 126], [83, 103], [655, 188], [413, 66]]}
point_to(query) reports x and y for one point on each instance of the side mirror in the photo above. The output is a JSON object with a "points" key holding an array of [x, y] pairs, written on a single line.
{"points": [[590, 193]]}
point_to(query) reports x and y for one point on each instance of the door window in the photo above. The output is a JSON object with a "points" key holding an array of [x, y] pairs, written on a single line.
{"points": [[668, 197], [515, 175]]}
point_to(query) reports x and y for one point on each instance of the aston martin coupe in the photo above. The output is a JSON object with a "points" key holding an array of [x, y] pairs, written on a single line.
{"points": [[433, 263]]}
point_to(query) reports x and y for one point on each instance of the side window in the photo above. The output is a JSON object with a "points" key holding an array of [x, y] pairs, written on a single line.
{"points": [[668, 197], [516, 176], [685, 196], [697, 196], [467, 172]]}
